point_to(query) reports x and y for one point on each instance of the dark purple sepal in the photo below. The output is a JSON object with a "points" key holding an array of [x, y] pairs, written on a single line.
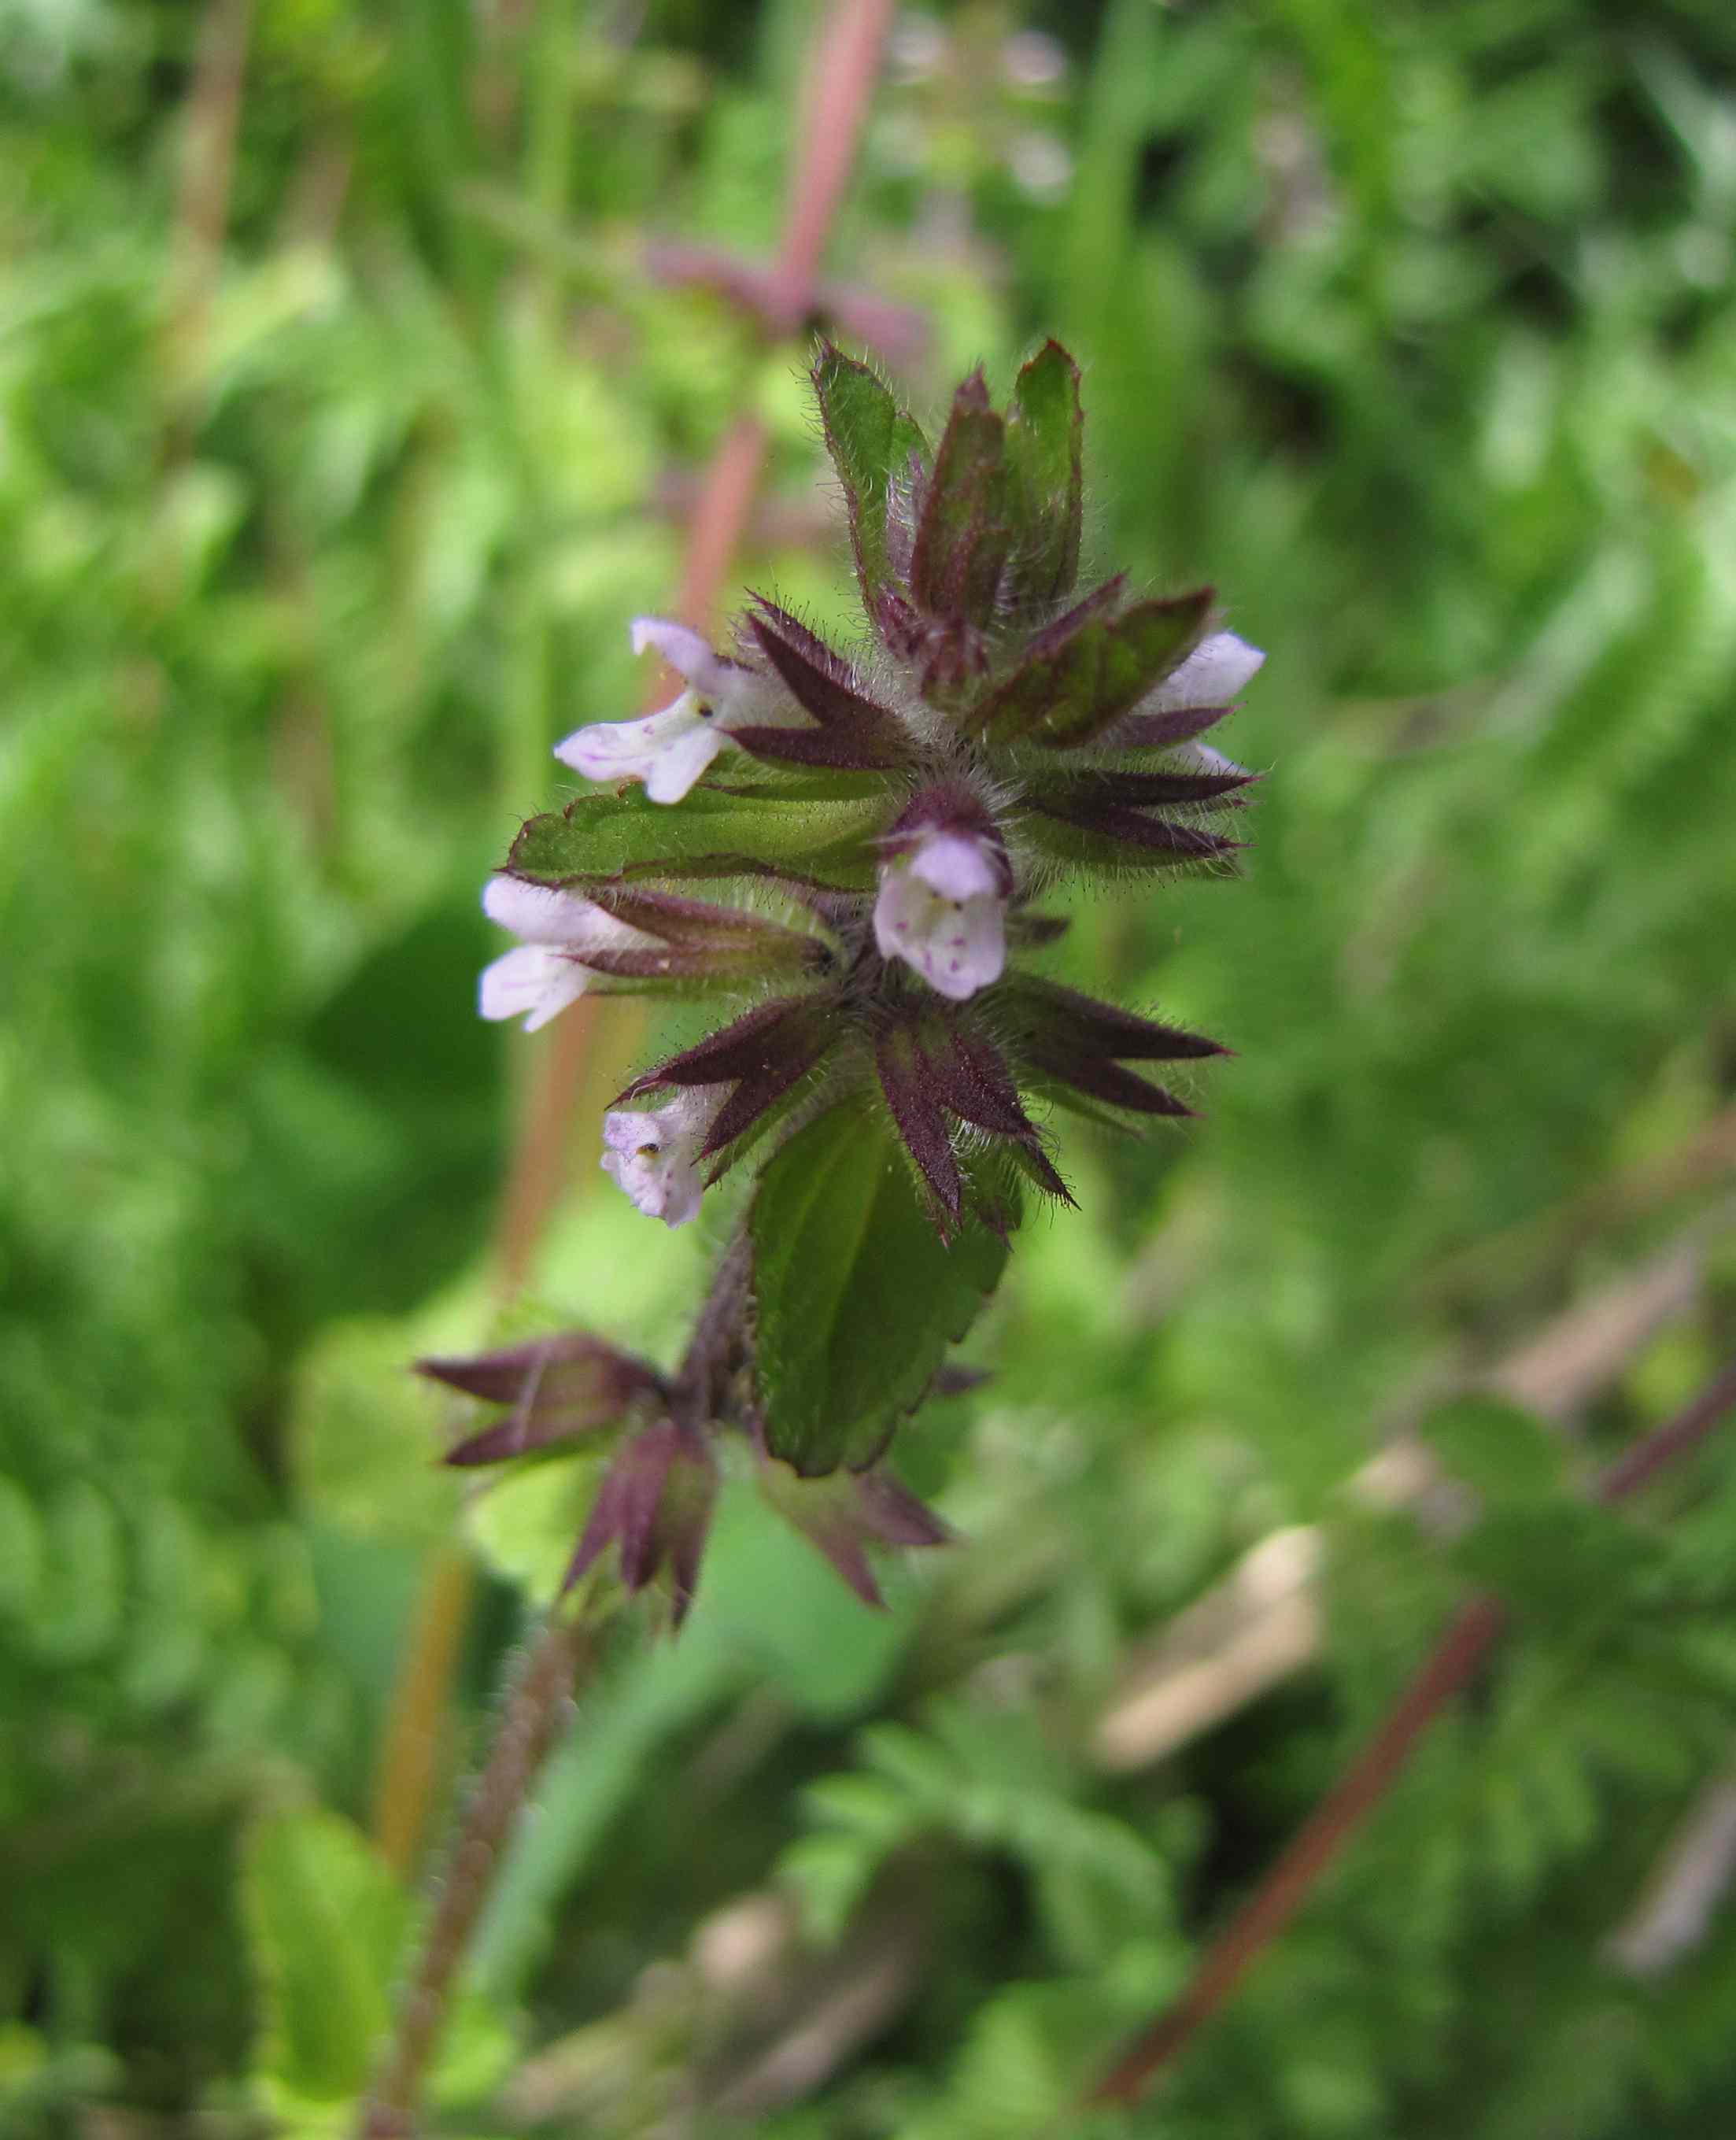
{"points": [[906, 1077], [839, 750], [1069, 794], [1069, 1022], [792, 1027], [1100, 1079], [1155, 835], [969, 1077], [559, 1388], [965, 531], [1138, 731], [820, 680], [1040, 1170], [1050, 660], [1090, 669], [972, 1078], [677, 918], [654, 1505], [721, 964], [756, 1093], [846, 1512], [898, 624], [929, 1071]]}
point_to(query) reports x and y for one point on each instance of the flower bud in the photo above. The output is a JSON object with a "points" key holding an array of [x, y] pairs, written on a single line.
{"points": [[560, 1389], [655, 1507]]}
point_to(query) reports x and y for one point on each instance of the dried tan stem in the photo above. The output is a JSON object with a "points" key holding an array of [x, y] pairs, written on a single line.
{"points": [[212, 122]]}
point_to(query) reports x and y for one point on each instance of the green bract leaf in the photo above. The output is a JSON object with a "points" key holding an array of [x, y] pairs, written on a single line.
{"points": [[821, 829], [326, 1920], [966, 531], [873, 444], [1088, 670], [856, 1297], [1045, 445]]}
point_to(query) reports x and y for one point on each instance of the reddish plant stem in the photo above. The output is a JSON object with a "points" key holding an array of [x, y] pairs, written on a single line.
{"points": [[1675, 1438], [1453, 1663], [845, 67]]}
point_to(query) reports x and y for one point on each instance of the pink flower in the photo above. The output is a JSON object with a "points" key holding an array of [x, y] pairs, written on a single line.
{"points": [[669, 750], [545, 973], [943, 908], [1212, 674], [653, 1153]]}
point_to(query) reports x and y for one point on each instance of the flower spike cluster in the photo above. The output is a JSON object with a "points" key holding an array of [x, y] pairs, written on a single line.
{"points": [[844, 848]]}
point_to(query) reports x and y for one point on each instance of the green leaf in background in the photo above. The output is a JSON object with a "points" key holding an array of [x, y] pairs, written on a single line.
{"points": [[716, 832], [1562, 1563], [1506, 1453], [857, 1298], [326, 1921], [872, 443], [1045, 445]]}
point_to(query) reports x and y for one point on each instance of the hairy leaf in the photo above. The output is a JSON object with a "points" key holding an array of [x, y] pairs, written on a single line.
{"points": [[822, 831], [1089, 669], [875, 446], [965, 531], [1045, 439], [855, 1297]]}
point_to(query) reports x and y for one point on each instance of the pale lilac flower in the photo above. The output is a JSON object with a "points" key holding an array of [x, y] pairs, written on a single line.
{"points": [[669, 750], [544, 973], [653, 1153], [943, 909], [1212, 674]]}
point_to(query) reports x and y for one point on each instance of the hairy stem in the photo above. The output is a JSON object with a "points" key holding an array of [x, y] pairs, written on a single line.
{"points": [[530, 1717], [1454, 1662]]}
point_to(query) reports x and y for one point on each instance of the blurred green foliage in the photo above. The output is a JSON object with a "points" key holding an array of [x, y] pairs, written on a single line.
{"points": [[1414, 329]]}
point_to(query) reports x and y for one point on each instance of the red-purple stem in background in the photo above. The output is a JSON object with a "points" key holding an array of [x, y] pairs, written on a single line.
{"points": [[1456, 1659], [846, 65]]}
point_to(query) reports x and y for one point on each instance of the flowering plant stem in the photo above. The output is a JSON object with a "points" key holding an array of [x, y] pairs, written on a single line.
{"points": [[530, 1717], [1454, 1660], [846, 65]]}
